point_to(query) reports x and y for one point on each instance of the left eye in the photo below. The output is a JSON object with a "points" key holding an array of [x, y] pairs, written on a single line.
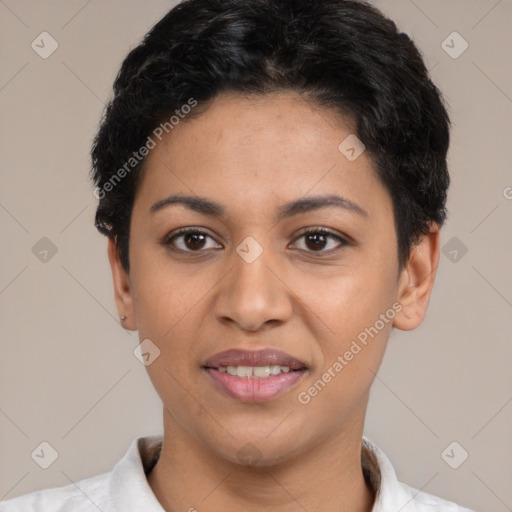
{"points": [[317, 239]]}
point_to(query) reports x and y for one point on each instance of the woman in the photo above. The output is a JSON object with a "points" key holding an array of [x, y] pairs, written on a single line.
{"points": [[272, 179]]}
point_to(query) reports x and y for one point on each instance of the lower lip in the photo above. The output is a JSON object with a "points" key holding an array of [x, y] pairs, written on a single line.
{"points": [[253, 389]]}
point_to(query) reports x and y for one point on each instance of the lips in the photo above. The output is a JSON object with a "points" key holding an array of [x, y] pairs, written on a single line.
{"points": [[267, 357], [254, 376]]}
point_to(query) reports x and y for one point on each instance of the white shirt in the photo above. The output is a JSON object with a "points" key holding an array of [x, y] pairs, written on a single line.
{"points": [[126, 489]]}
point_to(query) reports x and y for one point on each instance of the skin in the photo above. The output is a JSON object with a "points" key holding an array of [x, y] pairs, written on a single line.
{"points": [[252, 155]]}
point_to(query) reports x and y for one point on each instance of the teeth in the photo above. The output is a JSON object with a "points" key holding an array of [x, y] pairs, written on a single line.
{"points": [[257, 372], [275, 370], [244, 371], [261, 371]]}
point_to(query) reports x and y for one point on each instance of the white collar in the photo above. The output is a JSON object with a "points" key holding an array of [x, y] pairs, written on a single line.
{"points": [[130, 490]]}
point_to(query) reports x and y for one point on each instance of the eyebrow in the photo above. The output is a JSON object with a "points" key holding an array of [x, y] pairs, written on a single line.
{"points": [[304, 205]]}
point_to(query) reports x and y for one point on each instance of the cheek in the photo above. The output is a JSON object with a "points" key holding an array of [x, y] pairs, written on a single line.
{"points": [[354, 316], [166, 295], [346, 302], [170, 313], [176, 390], [360, 320]]}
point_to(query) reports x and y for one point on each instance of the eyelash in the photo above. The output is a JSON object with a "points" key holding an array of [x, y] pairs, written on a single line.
{"points": [[169, 239]]}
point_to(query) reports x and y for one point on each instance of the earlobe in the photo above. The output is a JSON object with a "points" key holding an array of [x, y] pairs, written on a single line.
{"points": [[122, 288], [417, 281]]}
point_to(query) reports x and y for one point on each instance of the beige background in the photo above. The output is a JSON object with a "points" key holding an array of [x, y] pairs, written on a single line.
{"points": [[67, 372]]}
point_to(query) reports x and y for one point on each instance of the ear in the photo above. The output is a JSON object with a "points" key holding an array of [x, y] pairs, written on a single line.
{"points": [[122, 288], [416, 280]]}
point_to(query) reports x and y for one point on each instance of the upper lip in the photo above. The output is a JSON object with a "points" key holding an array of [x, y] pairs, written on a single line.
{"points": [[266, 357]]}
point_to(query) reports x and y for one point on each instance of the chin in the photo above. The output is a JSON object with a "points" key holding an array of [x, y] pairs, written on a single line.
{"points": [[258, 451]]}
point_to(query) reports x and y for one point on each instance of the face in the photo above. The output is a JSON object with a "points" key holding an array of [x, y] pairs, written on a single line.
{"points": [[288, 273]]}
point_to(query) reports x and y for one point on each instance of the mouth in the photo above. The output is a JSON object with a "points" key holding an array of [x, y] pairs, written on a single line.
{"points": [[254, 376]]}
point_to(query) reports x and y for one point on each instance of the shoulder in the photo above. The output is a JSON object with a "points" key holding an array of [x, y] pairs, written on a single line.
{"points": [[124, 488], [84, 496], [392, 494]]}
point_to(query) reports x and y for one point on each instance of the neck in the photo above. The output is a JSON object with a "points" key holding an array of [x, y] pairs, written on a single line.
{"points": [[190, 477]]}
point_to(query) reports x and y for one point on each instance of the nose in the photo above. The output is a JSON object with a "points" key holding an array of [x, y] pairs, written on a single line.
{"points": [[254, 296]]}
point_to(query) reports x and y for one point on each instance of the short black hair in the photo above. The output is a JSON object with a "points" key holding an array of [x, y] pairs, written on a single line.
{"points": [[342, 54]]}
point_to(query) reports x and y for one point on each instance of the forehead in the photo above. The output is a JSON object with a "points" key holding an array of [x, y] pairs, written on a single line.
{"points": [[280, 120], [250, 150]]}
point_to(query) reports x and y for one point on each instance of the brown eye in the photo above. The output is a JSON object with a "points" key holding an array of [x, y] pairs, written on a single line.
{"points": [[188, 240], [316, 240]]}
